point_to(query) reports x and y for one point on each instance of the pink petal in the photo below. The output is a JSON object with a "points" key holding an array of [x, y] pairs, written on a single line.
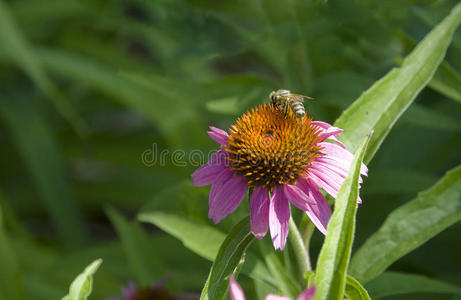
{"points": [[259, 212], [221, 179], [275, 297], [341, 156], [307, 294], [333, 166], [279, 214], [218, 135], [235, 290], [308, 200], [208, 173], [329, 132], [330, 184], [226, 197]]}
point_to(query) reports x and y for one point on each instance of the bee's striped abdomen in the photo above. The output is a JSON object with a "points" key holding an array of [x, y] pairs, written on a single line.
{"points": [[298, 108]]}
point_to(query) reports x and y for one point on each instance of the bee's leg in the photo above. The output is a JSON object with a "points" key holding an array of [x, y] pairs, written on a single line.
{"points": [[285, 111]]}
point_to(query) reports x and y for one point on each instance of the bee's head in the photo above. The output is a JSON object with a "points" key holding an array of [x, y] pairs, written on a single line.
{"points": [[272, 97]]}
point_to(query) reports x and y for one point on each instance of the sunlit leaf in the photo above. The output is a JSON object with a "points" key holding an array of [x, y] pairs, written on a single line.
{"points": [[409, 226], [81, 287], [355, 291], [333, 261]]}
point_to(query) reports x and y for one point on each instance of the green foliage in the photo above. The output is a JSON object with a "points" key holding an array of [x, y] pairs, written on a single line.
{"points": [[199, 238], [395, 283], [10, 273], [332, 265], [380, 106], [231, 256], [81, 287], [94, 93], [354, 290], [19, 49], [409, 226], [45, 165]]}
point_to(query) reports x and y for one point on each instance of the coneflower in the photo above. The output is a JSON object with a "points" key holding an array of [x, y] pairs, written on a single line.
{"points": [[283, 159]]}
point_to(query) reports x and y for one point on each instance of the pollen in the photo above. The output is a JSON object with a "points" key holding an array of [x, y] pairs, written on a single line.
{"points": [[269, 148]]}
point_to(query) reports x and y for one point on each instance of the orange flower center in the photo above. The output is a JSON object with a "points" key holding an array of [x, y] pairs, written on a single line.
{"points": [[269, 148]]}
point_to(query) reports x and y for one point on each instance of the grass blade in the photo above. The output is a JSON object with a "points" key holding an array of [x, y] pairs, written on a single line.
{"points": [[16, 46], [43, 161]]}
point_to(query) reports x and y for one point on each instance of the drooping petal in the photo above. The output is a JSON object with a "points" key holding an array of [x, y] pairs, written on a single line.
{"points": [[275, 297], [326, 179], [235, 290], [307, 294], [279, 215], [307, 199], [226, 197], [221, 179], [332, 166], [341, 156], [207, 174], [218, 135], [259, 212]]}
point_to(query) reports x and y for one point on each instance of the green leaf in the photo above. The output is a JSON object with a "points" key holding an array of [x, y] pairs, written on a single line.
{"points": [[330, 277], [44, 163], [11, 286], [230, 254], [409, 226], [384, 102], [134, 243], [202, 239], [17, 47], [394, 283], [199, 238], [355, 291], [81, 287], [282, 277], [447, 81]]}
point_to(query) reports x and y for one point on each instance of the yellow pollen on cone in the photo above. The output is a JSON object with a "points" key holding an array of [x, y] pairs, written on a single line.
{"points": [[268, 148]]}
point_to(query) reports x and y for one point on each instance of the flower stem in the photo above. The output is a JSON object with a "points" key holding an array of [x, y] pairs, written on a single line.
{"points": [[298, 247]]}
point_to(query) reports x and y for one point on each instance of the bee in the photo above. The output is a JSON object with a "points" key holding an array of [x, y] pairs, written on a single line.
{"points": [[283, 100]]}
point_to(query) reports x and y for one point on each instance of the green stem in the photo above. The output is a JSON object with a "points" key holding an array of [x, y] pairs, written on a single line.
{"points": [[300, 251]]}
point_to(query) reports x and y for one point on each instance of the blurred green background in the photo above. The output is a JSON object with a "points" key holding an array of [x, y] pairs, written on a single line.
{"points": [[87, 87]]}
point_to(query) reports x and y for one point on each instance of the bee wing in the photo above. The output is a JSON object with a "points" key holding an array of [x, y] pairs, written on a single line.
{"points": [[301, 97]]}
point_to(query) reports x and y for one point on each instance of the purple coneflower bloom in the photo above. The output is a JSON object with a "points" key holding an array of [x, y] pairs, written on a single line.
{"points": [[284, 159], [236, 292]]}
